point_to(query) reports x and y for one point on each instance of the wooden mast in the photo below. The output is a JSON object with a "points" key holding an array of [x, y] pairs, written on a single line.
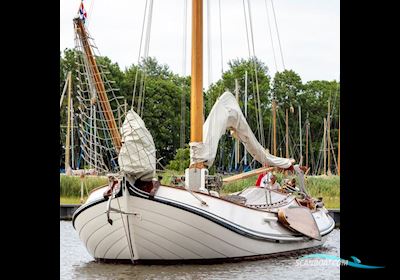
{"points": [[287, 134], [328, 125], [324, 139], [119, 117], [68, 137], [307, 127], [72, 164], [237, 143], [301, 143], [274, 124], [196, 96], [64, 89], [98, 83], [245, 113], [338, 153]]}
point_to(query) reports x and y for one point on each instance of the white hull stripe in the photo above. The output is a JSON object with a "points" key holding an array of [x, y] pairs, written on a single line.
{"points": [[214, 218], [229, 225]]}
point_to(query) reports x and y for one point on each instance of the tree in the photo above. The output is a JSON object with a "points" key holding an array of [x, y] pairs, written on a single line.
{"points": [[286, 86], [237, 69], [181, 160], [162, 103], [163, 94], [315, 102]]}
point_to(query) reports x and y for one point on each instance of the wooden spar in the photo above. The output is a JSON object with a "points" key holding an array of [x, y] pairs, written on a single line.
{"points": [[338, 153], [274, 124], [64, 89], [324, 140], [196, 94], [119, 118], [328, 126], [245, 112], [72, 134], [68, 137], [307, 127], [287, 134], [94, 107], [99, 85], [183, 118], [301, 144], [237, 143], [245, 175], [81, 179], [333, 154]]}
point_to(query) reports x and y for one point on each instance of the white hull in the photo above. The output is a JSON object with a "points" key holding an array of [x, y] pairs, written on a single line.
{"points": [[168, 229]]}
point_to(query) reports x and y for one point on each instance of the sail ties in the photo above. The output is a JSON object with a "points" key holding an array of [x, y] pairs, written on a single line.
{"points": [[137, 157]]}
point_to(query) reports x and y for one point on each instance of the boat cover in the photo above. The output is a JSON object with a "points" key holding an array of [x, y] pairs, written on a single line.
{"points": [[137, 157]]}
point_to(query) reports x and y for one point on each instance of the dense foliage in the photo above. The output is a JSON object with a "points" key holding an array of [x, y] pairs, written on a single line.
{"points": [[162, 106]]}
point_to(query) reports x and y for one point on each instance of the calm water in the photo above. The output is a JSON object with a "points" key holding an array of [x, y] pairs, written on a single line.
{"points": [[76, 263]]}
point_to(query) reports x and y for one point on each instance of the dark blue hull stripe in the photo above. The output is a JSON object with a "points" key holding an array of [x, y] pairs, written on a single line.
{"points": [[213, 218]]}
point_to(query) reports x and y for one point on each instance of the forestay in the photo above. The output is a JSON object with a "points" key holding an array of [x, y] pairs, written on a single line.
{"points": [[226, 114]]}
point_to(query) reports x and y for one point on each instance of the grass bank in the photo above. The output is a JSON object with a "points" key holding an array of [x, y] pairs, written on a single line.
{"points": [[71, 199], [318, 186], [70, 187]]}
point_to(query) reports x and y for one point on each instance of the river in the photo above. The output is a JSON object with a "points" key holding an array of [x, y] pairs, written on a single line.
{"points": [[76, 263]]}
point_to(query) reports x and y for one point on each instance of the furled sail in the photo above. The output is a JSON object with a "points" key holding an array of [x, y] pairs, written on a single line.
{"points": [[226, 114], [137, 157]]}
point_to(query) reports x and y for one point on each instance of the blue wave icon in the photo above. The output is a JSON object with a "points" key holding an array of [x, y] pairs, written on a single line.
{"points": [[355, 263]]}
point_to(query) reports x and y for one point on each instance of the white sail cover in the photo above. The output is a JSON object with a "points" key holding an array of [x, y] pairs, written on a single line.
{"points": [[137, 157], [226, 114]]}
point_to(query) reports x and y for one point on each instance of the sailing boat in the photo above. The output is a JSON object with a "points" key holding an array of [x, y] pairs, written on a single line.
{"points": [[137, 219]]}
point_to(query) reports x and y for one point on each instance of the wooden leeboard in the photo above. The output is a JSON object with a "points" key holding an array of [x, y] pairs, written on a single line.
{"points": [[301, 220]]}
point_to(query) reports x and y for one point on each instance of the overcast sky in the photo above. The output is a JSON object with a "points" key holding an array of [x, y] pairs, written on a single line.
{"points": [[309, 32]]}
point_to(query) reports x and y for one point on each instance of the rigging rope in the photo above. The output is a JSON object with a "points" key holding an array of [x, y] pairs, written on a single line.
{"points": [[252, 74], [209, 53], [277, 32], [96, 140], [247, 31], [89, 19], [270, 35], [140, 51], [256, 76], [220, 37], [146, 54]]}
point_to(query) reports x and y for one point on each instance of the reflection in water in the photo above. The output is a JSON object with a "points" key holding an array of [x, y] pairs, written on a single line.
{"points": [[76, 263]]}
